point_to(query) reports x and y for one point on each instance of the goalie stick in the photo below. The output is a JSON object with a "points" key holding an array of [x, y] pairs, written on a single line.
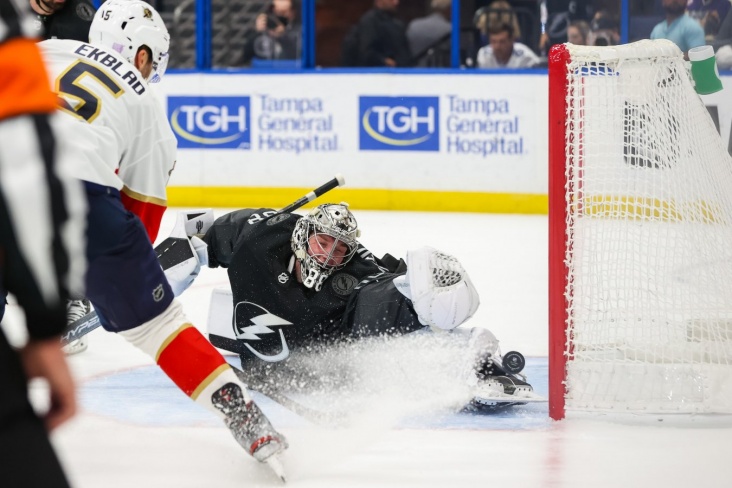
{"points": [[337, 181], [82, 326]]}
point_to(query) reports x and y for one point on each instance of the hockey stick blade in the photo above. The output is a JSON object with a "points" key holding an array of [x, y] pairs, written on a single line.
{"points": [[276, 466], [79, 328]]}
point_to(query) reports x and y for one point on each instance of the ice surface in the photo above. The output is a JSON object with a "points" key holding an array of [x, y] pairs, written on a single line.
{"points": [[137, 430]]}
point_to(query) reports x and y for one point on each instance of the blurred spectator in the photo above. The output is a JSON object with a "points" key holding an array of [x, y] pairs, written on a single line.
{"points": [[379, 39], [429, 37], [577, 32], [503, 51], [277, 33], [496, 12], [709, 14], [723, 44], [678, 27], [604, 30], [559, 15]]}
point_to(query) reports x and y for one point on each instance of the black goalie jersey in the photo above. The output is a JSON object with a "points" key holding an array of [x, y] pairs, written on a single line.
{"points": [[356, 301]]}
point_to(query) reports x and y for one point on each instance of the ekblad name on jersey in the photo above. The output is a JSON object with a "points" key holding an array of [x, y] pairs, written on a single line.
{"points": [[123, 134]]}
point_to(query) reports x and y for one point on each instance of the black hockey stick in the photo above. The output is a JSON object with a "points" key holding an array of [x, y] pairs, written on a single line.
{"points": [[337, 181], [80, 327]]}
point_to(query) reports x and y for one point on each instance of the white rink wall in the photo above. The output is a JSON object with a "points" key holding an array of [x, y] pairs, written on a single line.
{"points": [[480, 137], [482, 133]]}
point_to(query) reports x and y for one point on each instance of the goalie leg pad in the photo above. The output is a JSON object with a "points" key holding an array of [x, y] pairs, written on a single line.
{"points": [[440, 289], [181, 259]]}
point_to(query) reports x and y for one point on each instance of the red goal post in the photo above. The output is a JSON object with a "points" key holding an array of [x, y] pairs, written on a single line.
{"points": [[640, 235]]}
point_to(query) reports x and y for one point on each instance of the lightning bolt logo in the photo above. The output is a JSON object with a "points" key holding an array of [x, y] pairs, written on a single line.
{"points": [[261, 321]]}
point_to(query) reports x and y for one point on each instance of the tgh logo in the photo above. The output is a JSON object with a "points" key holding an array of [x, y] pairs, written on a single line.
{"points": [[211, 122]]}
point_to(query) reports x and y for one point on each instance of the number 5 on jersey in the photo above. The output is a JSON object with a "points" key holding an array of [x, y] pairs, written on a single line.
{"points": [[69, 87]]}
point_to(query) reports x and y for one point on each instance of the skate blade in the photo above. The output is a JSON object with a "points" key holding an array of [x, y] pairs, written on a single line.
{"points": [[276, 466]]}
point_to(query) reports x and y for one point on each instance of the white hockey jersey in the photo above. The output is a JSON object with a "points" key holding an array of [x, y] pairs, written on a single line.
{"points": [[121, 132]]}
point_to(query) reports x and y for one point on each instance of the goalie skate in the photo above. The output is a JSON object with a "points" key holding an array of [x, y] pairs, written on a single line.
{"points": [[502, 385], [504, 391]]}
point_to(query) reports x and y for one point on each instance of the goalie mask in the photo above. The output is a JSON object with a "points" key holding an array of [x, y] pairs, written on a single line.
{"points": [[126, 25], [324, 240]]}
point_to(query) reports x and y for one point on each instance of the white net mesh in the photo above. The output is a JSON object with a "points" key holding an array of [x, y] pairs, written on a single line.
{"points": [[649, 236]]}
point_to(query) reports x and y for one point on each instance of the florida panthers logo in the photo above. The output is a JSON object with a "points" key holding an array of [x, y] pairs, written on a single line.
{"points": [[260, 331]]}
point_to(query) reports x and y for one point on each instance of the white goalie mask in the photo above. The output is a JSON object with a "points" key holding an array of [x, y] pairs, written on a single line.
{"points": [[324, 240], [126, 25]]}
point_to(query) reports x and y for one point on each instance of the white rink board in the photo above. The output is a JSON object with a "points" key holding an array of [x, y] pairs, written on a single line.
{"points": [[467, 157], [488, 133]]}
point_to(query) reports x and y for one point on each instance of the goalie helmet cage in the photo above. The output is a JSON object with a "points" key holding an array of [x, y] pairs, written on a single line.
{"points": [[640, 236]]}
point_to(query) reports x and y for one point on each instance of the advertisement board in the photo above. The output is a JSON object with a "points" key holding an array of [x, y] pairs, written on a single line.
{"points": [[451, 141]]}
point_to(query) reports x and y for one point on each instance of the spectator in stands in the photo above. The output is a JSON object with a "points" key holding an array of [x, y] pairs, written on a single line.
{"points": [[559, 15], [578, 32], [381, 37], [723, 44], [709, 14], [429, 37], [604, 30], [497, 11], [678, 27], [277, 33], [503, 51]]}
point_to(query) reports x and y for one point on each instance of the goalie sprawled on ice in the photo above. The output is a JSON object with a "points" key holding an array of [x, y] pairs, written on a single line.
{"points": [[302, 284]]}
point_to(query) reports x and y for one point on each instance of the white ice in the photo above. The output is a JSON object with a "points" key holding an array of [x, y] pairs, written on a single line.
{"points": [[136, 430]]}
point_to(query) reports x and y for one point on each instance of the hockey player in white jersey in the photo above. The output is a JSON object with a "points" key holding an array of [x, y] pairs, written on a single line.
{"points": [[127, 155]]}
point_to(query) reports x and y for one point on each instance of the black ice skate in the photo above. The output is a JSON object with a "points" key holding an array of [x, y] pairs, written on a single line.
{"points": [[251, 429], [501, 384], [75, 310]]}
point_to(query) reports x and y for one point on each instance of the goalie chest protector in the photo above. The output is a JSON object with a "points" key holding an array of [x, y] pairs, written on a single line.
{"points": [[261, 284]]}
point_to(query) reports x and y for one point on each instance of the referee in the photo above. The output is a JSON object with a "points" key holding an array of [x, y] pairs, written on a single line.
{"points": [[41, 255]]}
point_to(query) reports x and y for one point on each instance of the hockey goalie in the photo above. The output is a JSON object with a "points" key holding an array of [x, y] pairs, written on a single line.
{"points": [[304, 284]]}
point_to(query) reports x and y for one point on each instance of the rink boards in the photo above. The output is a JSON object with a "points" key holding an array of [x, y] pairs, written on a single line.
{"points": [[449, 141]]}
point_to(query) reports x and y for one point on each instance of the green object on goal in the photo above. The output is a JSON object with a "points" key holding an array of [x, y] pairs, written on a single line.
{"points": [[704, 70]]}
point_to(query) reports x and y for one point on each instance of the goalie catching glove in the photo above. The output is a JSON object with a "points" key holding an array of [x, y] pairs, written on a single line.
{"points": [[439, 287], [182, 254]]}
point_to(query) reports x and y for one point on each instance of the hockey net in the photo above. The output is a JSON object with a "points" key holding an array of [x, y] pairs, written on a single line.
{"points": [[640, 235]]}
